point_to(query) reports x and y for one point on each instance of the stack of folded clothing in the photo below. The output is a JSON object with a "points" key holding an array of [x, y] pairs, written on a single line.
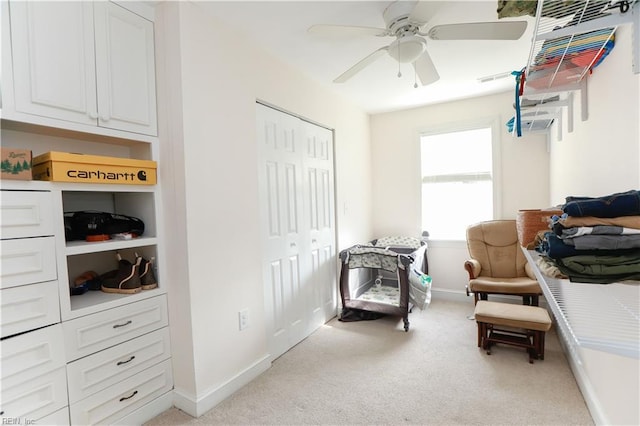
{"points": [[597, 240]]}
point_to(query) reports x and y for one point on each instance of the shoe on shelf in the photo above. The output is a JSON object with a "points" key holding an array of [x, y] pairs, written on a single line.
{"points": [[89, 280], [147, 277], [124, 280]]}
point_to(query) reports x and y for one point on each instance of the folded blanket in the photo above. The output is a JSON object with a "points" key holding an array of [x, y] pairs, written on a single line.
{"points": [[625, 221], [601, 268], [604, 242], [579, 231], [555, 248]]}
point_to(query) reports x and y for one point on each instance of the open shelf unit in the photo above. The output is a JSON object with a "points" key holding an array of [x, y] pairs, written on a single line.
{"points": [[570, 39]]}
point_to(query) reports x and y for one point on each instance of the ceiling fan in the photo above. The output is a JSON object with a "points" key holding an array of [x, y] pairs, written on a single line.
{"points": [[405, 21]]}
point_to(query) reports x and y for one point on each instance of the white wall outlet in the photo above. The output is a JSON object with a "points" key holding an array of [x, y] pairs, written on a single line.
{"points": [[243, 319]]}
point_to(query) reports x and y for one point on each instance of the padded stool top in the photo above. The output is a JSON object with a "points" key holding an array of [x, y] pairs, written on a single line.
{"points": [[512, 315]]}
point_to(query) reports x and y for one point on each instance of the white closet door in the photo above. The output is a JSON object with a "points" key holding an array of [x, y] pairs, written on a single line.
{"points": [[53, 59], [319, 209], [283, 233], [296, 198]]}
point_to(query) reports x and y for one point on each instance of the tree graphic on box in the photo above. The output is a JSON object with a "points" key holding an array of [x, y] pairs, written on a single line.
{"points": [[16, 168], [6, 166]]}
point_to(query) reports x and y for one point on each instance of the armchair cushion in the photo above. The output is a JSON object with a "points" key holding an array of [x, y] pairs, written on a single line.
{"points": [[495, 245], [518, 285]]}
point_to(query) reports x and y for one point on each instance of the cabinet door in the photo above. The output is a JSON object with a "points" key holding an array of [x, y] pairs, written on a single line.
{"points": [[125, 70], [53, 60]]}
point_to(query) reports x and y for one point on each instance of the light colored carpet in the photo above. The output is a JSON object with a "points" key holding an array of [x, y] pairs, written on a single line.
{"points": [[372, 372]]}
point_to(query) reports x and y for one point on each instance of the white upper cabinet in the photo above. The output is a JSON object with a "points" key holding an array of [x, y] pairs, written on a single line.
{"points": [[125, 69], [90, 63], [53, 60]]}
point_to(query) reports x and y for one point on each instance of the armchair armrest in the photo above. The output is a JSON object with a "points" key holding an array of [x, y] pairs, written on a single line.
{"points": [[529, 271], [473, 267]]}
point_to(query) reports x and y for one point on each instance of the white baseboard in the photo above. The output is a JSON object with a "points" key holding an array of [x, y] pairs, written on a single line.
{"points": [[197, 406], [148, 411], [451, 295], [461, 296]]}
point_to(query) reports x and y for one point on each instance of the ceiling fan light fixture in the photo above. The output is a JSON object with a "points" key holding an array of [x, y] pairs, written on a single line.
{"points": [[407, 49]]}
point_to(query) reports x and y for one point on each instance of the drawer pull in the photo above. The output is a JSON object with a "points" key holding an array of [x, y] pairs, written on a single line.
{"points": [[122, 325], [124, 398], [129, 360]]}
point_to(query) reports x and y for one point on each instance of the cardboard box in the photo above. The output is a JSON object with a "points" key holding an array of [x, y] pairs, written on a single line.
{"points": [[80, 168], [16, 164]]}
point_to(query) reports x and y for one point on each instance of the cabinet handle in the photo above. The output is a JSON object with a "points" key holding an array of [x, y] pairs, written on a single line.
{"points": [[124, 398], [129, 360], [122, 325], [93, 115]]}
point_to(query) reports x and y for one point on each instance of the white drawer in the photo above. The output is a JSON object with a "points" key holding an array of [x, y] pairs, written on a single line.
{"points": [[93, 373], [36, 398], [26, 214], [60, 417], [26, 261], [28, 307], [92, 333], [117, 401], [31, 355]]}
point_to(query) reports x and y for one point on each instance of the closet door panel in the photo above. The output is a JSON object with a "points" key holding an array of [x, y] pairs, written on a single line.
{"points": [[280, 181], [53, 59], [318, 166]]}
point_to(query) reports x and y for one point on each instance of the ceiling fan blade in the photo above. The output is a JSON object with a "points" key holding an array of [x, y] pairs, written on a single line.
{"points": [[361, 65], [424, 11], [512, 30], [346, 30], [425, 69]]}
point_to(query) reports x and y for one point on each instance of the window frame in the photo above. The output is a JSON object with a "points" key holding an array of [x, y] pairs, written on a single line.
{"points": [[460, 126]]}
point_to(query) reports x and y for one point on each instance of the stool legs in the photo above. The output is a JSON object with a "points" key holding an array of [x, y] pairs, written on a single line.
{"points": [[531, 340]]}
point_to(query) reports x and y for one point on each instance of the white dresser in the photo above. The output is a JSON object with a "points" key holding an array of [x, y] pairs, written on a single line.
{"points": [[34, 384]]}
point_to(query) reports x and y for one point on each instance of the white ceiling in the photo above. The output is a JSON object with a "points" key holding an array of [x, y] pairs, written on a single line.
{"points": [[281, 28]]}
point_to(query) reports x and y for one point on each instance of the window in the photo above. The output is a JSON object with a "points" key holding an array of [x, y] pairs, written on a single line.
{"points": [[457, 181]]}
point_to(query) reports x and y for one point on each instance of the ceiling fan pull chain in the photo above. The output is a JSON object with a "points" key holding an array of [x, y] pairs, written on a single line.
{"points": [[399, 73], [415, 77]]}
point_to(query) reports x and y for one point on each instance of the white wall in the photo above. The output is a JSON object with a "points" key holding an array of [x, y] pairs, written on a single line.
{"points": [[602, 155], [524, 169], [211, 78]]}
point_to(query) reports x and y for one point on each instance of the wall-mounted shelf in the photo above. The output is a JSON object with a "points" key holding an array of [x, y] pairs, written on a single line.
{"points": [[570, 40]]}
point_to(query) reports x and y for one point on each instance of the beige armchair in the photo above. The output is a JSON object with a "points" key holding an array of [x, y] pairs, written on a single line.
{"points": [[497, 264]]}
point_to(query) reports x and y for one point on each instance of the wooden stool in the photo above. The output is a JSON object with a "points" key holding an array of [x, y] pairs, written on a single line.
{"points": [[535, 321]]}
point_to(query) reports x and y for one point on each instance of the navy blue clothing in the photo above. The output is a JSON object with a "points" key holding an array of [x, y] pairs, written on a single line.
{"points": [[555, 248], [614, 205]]}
